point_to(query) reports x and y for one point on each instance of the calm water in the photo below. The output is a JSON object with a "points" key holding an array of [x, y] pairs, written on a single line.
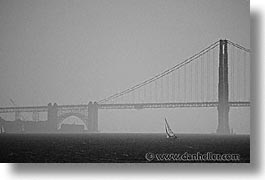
{"points": [[113, 147]]}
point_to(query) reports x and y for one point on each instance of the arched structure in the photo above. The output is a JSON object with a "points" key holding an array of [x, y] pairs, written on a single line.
{"points": [[81, 116], [88, 114]]}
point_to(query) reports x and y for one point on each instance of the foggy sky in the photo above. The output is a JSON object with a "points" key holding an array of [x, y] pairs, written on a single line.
{"points": [[76, 51]]}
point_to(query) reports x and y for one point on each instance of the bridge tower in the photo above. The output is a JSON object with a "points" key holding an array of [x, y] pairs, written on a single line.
{"points": [[223, 94], [92, 123], [52, 117]]}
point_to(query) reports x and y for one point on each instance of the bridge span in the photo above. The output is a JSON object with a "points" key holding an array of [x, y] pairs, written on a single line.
{"points": [[83, 107], [215, 77]]}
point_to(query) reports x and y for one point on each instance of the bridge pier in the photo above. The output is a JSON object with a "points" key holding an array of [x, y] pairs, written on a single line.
{"points": [[52, 117], [223, 94], [92, 123]]}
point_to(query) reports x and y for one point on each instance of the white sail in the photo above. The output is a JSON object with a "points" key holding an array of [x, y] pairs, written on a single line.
{"points": [[168, 135], [169, 132], [168, 128]]}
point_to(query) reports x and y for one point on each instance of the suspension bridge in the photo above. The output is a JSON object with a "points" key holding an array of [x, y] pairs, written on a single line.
{"points": [[217, 76]]}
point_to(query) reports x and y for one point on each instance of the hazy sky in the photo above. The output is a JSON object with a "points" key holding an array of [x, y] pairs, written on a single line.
{"points": [[76, 51]]}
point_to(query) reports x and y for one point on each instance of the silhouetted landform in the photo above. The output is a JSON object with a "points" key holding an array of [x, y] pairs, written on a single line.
{"points": [[18, 126]]}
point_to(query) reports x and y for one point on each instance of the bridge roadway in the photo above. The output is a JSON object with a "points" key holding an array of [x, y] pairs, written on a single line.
{"points": [[83, 107]]}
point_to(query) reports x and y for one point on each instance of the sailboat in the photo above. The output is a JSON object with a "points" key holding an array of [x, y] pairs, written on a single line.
{"points": [[169, 132]]}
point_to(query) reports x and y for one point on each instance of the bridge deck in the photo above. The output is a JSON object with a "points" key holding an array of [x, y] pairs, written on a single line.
{"points": [[170, 105], [123, 106]]}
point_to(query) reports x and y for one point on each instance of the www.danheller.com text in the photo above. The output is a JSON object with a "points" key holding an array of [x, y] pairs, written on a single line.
{"points": [[209, 156]]}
